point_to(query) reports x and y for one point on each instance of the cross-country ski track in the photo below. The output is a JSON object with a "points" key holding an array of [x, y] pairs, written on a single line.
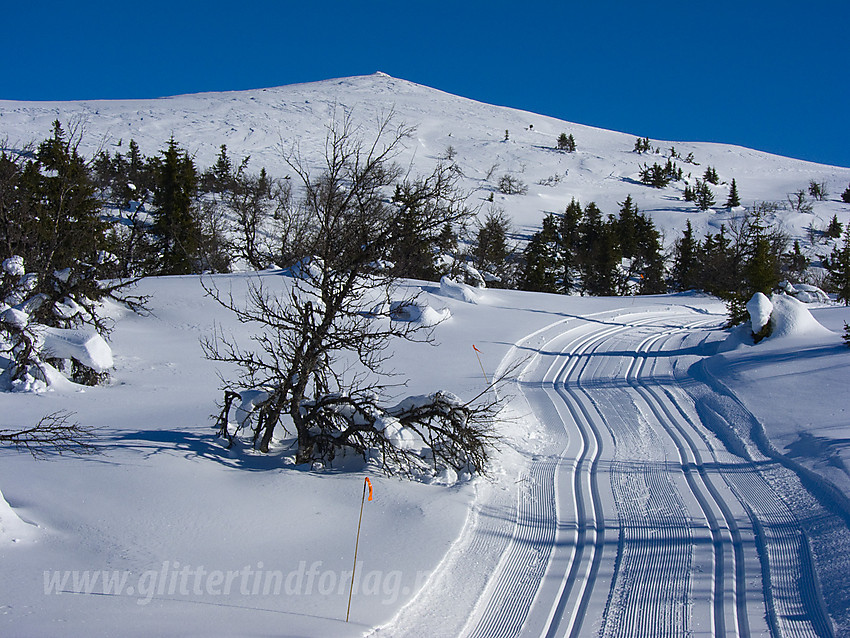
{"points": [[633, 519]]}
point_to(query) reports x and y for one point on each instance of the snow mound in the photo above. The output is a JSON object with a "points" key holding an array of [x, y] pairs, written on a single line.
{"points": [[759, 308], [87, 347], [418, 312], [457, 290], [791, 318], [12, 528], [400, 436]]}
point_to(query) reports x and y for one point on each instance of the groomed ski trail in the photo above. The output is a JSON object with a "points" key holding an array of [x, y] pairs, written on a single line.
{"points": [[633, 521]]}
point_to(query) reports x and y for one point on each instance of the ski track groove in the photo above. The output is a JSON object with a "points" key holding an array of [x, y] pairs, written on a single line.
{"points": [[551, 563], [510, 603], [700, 486], [791, 593]]}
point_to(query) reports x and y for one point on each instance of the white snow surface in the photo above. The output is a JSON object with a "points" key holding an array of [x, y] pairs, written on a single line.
{"points": [[12, 528], [167, 498]]}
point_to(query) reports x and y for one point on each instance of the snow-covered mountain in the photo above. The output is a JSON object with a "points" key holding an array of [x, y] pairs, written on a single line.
{"points": [[264, 123]]}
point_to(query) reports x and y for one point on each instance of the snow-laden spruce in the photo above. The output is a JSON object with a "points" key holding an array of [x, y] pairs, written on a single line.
{"points": [[31, 346]]}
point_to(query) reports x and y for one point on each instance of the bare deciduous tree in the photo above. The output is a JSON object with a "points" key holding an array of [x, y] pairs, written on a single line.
{"points": [[315, 366]]}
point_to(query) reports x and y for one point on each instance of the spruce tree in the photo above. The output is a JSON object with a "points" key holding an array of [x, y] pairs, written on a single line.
{"points": [[540, 259], [716, 273], [845, 196], [839, 269], [685, 272], [627, 227], [176, 225], [491, 250], [703, 196], [563, 142], [734, 199], [649, 262], [599, 253], [795, 263], [411, 251], [711, 176], [835, 228], [569, 241]]}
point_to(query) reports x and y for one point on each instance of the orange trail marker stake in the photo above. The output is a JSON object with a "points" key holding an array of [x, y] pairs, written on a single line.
{"points": [[478, 354], [366, 483]]}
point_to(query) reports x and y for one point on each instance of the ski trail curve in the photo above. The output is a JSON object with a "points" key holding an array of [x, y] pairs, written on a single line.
{"points": [[633, 519]]}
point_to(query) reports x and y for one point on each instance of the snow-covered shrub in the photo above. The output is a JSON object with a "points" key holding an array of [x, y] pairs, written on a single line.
{"points": [[36, 353], [421, 435], [510, 185]]}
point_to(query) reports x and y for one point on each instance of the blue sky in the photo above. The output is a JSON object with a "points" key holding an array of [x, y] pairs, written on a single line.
{"points": [[768, 75]]}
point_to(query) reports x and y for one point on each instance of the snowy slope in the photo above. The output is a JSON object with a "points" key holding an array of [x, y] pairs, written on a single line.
{"points": [[264, 123], [168, 515]]}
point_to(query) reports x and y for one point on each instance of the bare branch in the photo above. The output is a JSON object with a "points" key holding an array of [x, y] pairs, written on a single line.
{"points": [[54, 433]]}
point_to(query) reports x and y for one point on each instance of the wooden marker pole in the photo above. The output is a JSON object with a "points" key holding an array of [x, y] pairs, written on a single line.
{"points": [[366, 482], [478, 354]]}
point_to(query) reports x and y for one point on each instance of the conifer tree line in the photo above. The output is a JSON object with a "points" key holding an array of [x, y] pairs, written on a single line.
{"points": [[748, 257], [123, 215], [583, 252]]}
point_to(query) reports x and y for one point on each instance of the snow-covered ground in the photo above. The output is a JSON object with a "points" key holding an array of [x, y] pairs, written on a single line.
{"points": [[196, 539], [657, 476]]}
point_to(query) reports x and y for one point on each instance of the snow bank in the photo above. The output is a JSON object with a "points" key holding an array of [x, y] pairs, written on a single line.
{"points": [[804, 292], [457, 290], [791, 318], [12, 528], [418, 312]]}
